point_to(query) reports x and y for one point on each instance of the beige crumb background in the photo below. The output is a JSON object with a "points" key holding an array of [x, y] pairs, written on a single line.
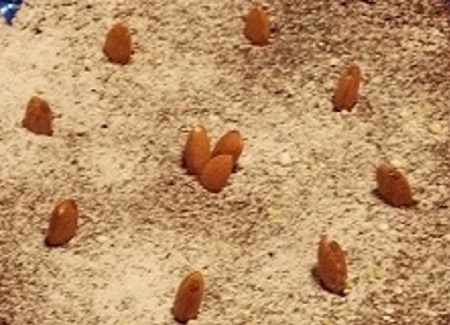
{"points": [[305, 170]]}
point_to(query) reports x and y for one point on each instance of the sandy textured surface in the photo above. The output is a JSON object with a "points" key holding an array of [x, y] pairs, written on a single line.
{"points": [[305, 170]]}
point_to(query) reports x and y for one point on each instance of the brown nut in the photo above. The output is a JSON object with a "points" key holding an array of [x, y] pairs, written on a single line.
{"points": [[188, 298], [332, 267], [38, 117], [215, 174], [346, 93], [230, 143], [257, 26], [63, 223], [117, 46], [196, 152], [393, 187]]}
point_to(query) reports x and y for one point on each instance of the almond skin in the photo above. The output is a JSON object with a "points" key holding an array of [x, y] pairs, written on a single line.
{"points": [[216, 172], [38, 117], [118, 47], [346, 93], [63, 223], [392, 186], [188, 298], [197, 152], [257, 27], [332, 267], [231, 143]]}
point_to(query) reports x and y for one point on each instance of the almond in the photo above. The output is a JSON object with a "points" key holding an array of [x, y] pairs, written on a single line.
{"points": [[117, 45], [231, 143], [63, 223], [188, 298], [332, 267], [216, 172], [392, 186], [257, 27], [346, 93], [197, 151], [38, 117]]}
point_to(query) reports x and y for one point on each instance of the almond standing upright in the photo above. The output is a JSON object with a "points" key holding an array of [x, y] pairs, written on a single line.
{"points": [[393, 187], [118, 46], [215, 174], [197, 150], [257, 26], [188, 298], [332, 266], [230, 143], [346, 92], [63, 223], [38, 117]]}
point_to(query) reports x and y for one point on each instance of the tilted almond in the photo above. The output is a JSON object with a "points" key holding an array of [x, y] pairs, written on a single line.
{"points": [[230, 143], [257, 26], [392, 186], [216, 172], [332, 267], [63, 223], [196, 152], [188, 298], [38, 117], [346, 93], [118, 45]]}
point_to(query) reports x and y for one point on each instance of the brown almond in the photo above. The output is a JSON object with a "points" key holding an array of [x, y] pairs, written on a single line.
{"points": [[230, 143], [63, 223], [257, 26], [332, 267], [118, 45], [392, 186], [346, 93], [216, 172], [197, 151], [38, 117], [188, 298]]}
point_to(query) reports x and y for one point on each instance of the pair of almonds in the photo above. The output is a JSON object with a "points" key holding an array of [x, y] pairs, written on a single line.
{"points": [[393, 187], [332, 266], [63, 223], [346, 92], [118, 46], [188, 298], [38, 117], [257, 26], [212, 168]]}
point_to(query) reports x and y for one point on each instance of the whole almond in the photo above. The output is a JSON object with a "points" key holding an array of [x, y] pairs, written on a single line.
{"points": [[392, 186], [197, 151], [257, 26], [332, 267], [118, 45], [346, 93], [231, 143], [63, 223], [215, 174], [188, 298], [38, 117]]}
